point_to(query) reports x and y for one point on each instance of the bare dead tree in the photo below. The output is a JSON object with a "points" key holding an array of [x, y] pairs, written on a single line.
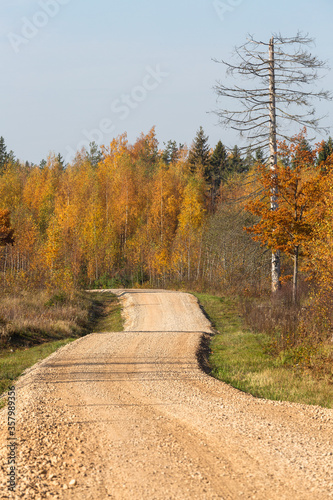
{"points": [[286, 73]]}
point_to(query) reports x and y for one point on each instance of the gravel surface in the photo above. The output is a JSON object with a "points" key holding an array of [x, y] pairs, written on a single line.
{"points": [[131, 416]]}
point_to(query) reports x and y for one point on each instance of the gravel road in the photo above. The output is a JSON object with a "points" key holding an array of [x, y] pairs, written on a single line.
{"points": [[131, 416]]}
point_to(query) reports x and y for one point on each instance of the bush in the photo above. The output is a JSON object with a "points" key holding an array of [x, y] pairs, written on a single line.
{"points": [[58, 298], [277, 316]]}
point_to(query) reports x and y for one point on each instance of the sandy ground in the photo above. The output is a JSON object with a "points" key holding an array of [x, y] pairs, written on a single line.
{"points": [[131, 416]]}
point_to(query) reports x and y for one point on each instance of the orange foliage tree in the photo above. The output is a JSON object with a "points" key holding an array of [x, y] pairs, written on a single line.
{"points": [[6, 231], [320, 266], [300, 189]]}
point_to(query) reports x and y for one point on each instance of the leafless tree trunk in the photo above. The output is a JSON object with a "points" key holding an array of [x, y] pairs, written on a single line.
{"points": [[295, 275], [276, 265], [275, 99]]}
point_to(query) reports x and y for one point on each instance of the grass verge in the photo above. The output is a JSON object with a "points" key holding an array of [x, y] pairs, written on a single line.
{"points": [[13, 364], [244, 360], [109, 318], [40, 327]]}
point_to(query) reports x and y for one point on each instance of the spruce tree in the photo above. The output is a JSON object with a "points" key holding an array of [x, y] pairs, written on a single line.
{"points": [[60, 161], [215, 172], [235, 161], [218, 165], [326, 150], [200, 151], [3, 154], [259, 156], [94, 156], [249, 160], [171, 152]]}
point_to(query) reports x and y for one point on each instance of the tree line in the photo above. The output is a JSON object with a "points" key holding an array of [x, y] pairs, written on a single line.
{"points": [[138, 215], [132, 213]]}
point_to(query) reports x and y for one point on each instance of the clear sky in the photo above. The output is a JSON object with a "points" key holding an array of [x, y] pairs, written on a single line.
{"points": [[77, 70]]}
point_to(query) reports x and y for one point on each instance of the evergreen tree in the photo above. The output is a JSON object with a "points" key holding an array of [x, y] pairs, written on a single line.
{"points": [[326, 150], [200, 151], [3, 154], [235, 161], [171, 152], [94, 156], [249, 160], [216, 171], [259, 156], [61, 162]]}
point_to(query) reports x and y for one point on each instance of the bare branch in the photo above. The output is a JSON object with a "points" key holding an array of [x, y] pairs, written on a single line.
{"points": [[294, 68]]}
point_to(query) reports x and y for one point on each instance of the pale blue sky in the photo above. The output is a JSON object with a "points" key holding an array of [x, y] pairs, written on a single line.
{"points": [[68, 65]]}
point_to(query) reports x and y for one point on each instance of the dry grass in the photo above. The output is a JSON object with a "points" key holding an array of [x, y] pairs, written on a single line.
{"points": [[35, 324], [30, 318], [299, 333]]}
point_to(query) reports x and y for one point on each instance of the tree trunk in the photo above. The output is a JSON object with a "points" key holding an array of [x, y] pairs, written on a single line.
{"points": [[295, 275], [276, 265], [161, 208]]}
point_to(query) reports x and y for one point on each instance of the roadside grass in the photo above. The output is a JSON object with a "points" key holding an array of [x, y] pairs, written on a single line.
{"points": [[246, 361], [13, 364], [109, 315], [29, 318], [37, 324]]}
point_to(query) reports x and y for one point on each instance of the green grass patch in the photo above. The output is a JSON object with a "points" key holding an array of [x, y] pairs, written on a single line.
{"points": [[244, 360], [13, 363], [109, 318]]}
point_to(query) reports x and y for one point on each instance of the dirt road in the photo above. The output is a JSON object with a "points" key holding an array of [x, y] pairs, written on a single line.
{"points": [[131, 416]]}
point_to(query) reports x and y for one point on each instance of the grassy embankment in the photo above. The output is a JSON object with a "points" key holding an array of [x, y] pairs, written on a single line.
{"points": [[34, 325], [246, 360]]}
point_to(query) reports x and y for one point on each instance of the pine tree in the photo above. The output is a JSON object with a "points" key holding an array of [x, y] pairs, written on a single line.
{"points": [[200, 151], [3, 154]]}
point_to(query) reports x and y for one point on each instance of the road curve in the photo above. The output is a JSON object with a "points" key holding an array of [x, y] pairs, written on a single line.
{"points": [[132, 416]]}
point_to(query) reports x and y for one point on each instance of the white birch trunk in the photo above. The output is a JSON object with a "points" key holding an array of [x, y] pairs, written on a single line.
{"points": [[276, 266]]}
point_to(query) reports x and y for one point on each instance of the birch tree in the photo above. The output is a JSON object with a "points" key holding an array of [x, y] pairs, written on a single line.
{"points": [[280, 89]]}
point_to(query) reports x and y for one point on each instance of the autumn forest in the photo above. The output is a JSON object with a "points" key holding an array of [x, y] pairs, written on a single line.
{"points": [[180, 217]]}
